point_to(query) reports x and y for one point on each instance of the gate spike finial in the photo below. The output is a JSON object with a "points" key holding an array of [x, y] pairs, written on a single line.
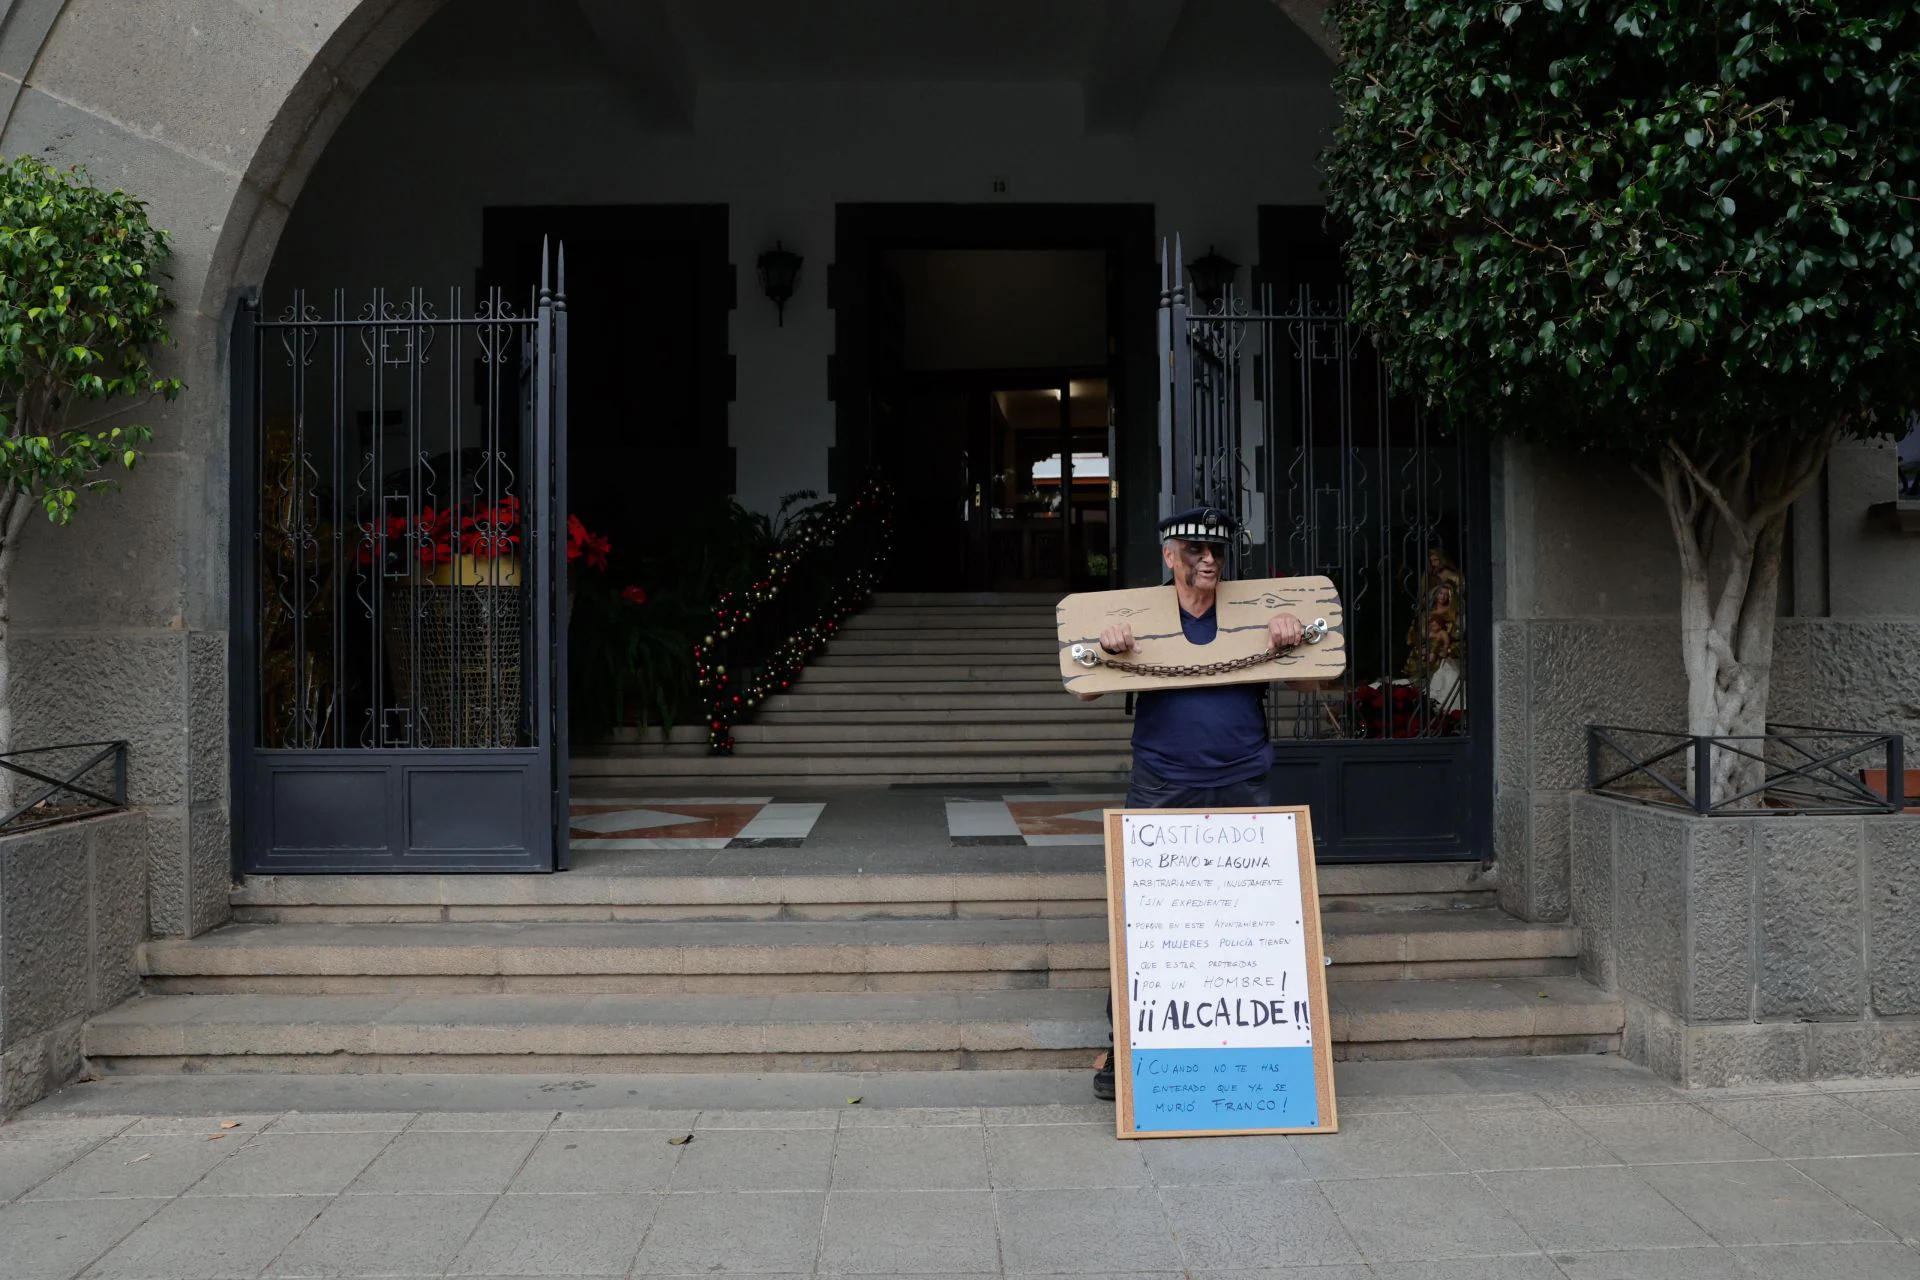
{"points": [[560, 284], [546, 263]]}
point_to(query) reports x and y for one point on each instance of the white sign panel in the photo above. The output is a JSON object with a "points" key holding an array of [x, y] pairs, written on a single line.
{"points": [[1216, 970]]}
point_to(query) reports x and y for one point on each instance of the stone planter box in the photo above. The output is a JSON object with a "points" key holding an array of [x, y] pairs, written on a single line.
{"points": [[73, 913], [1752, 949]]}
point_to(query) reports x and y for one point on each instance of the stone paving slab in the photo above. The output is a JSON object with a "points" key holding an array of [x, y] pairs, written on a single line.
{"points": [[1575, 1168]]}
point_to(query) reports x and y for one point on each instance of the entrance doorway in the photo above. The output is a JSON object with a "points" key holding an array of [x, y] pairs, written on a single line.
{"points": [[1010, 476], [995, 364]]}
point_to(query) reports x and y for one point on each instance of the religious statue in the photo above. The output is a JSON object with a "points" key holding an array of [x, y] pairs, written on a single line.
{"points": [[1437, 637]]}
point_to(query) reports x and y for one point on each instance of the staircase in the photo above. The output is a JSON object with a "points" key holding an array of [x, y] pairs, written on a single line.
{"points": [[747, 971], [916, 688]]}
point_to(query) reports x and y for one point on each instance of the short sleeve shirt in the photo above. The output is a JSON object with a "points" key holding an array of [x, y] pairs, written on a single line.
{"points": [[1210, 736]]}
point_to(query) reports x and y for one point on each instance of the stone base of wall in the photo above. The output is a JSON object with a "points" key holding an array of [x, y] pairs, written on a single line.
{"points": [[41, 1065], [1727, 1054], [1760, 948], [73, 913]]}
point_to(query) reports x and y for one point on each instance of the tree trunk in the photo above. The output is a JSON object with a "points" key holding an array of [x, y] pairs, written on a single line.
{"points": [[1727, 632], [14, 509]]}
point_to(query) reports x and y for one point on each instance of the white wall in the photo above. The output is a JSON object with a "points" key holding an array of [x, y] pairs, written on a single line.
{"points": [[397, 198]]}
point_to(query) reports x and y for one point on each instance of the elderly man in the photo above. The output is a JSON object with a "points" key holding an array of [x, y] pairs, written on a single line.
{"points": [[1204, 747]]}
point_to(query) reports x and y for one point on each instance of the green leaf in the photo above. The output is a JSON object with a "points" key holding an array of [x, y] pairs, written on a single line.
{"points": [[82, 313]]}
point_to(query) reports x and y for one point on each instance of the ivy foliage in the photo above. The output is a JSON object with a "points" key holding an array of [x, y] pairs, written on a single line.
{"points": [[82, 309], [1637, 224]]}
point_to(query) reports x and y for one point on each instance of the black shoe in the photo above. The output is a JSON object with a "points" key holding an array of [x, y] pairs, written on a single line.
{"points": [[1103, 1078]]}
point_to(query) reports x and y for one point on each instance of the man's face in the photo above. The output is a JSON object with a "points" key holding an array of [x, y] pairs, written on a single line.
{"points": [[1194, 564]]}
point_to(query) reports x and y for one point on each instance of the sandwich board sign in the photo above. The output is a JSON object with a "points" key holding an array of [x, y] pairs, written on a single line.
{"points": [[1220, 1019]]}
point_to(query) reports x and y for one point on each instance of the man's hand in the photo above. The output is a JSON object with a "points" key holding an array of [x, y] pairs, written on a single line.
{"points": [[1118, 638], [1284, 631]]}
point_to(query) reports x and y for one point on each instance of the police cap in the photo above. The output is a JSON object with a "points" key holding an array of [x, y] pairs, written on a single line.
{"points": [[1200, 524]]}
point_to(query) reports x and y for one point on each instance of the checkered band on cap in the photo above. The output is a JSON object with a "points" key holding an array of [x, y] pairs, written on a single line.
{"points": [[1201, 524]]}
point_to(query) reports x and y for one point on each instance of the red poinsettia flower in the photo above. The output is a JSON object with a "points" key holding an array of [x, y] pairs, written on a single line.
{"points": [[492, 531], [435, 537], [584, 545], [634, 595], [365, 551]]}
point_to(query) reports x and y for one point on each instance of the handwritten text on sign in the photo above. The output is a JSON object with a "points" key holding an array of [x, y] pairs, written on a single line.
{"points": [[1221, 1023]]}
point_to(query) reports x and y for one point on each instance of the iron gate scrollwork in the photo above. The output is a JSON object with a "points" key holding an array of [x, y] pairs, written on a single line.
{"points": [[1284, 413], [399, 581]]}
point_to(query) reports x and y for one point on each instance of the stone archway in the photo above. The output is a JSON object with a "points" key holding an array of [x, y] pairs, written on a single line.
{"points": [[215, 111]]}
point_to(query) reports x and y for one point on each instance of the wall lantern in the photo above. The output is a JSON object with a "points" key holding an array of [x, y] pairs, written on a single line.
{"points": [[779, 271], [1212, 277]]}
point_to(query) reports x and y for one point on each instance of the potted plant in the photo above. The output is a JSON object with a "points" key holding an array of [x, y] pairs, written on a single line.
{"points": [[455, 621]]}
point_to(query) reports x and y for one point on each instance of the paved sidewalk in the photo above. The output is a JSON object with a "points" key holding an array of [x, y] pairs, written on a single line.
{"points": [[1490, 1170]]}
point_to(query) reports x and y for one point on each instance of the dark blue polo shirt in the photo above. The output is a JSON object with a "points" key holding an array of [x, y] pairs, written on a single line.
{"points": [[1211, 736]]}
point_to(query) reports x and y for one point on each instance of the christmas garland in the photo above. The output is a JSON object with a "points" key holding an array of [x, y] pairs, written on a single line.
{"points": [[732, 696]]}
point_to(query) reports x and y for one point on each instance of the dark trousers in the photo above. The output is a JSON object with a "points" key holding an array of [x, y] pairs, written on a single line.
{"points": [[1151, 792]]}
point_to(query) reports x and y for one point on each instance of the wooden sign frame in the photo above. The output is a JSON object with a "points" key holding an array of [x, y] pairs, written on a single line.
{"points": [[1314, 944], [1245, 607]]}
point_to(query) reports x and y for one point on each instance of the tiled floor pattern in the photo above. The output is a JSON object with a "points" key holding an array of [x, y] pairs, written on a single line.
{"points": [[734, 822], [1583, 1179], [1029, 819]]}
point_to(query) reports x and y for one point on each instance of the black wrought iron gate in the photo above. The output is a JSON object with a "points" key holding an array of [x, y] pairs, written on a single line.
{"points": [[1283, 414], [400, 581]]}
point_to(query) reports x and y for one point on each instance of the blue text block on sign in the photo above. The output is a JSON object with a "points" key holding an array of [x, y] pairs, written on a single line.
{"points": [[1175, 1089]]}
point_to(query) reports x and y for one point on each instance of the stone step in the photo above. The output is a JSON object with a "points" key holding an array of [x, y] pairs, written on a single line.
{"points": [[909, 645], [1109, 744], [640, 772], [798, 894], [882, 601], [959, 681], [1039, 679], [857, 765], [1010, 618], [930, 740], [1047, 711], [1065, 743], [847, 1031], [752, 738], [955, 729], [965, 697], [1028, 661], [773, 957], [873, 634]]}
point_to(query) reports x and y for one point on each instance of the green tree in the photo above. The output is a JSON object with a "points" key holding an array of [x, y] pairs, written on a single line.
{"points": [[82, 311], [1675, 231]]}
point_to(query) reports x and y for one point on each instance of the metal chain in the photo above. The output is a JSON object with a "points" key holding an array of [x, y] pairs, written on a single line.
{"points": [[1090, 656], [1194, 668]]}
